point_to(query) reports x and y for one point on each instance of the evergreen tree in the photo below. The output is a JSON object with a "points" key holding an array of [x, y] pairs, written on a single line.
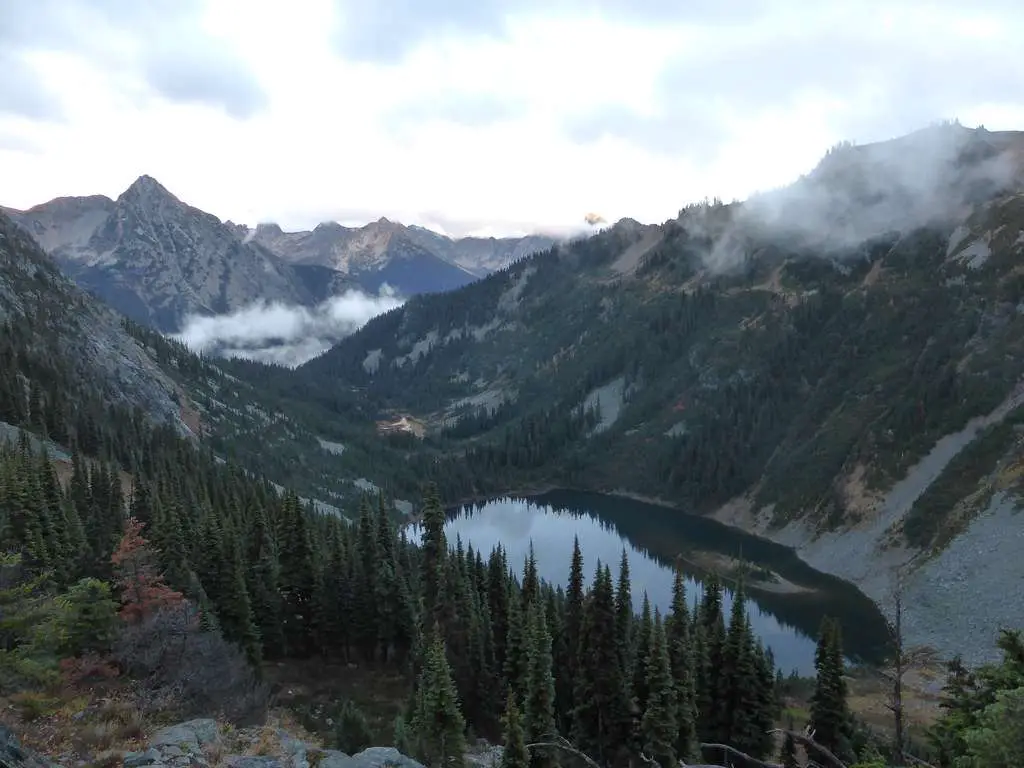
{"points": [[738, 698], [830, 715], [540, 687], [624, 617], [659, 729], [517, 651], [515, 754], [681, 657], [602, 719], [644, 645], [437, 718]]}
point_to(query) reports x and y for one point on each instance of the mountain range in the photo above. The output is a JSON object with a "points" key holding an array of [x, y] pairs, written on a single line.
{"points": [[158, 260], [836, 365]]}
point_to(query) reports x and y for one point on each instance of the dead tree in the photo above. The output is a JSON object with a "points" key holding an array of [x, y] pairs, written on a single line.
{"points": [[903, 661]]}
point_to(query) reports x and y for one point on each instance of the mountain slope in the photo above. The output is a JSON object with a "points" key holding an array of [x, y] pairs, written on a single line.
{"points": [[410, 259], [788, 368], [377, 254], [158, 260], [55, 330], [67, 357], [480, 255]]}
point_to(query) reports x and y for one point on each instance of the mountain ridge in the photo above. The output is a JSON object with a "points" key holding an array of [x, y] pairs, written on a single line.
{"points": [[804, 373]]}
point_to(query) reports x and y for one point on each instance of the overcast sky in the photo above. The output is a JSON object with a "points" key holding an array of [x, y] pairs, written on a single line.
{"points": [[478, 115]]}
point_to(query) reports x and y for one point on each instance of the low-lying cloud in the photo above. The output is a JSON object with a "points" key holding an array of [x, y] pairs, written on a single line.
{"points": [[857, 193], [286, 335]]}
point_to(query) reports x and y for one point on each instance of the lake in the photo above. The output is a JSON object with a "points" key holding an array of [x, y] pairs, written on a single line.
{"points": [[787, 597]]}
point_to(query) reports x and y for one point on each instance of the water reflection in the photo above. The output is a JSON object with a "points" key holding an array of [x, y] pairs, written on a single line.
{"points": [[653, 538]]}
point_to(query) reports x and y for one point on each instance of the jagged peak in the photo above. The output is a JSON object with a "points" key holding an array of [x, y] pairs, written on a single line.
{"points": [[328, 226], [145, 189], [269, 227]]}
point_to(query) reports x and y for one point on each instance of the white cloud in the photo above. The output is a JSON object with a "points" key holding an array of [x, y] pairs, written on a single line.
{"points": [[288, 335], [484, 115]]}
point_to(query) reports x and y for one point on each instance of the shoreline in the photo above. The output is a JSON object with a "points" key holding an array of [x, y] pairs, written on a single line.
{"points": [[798, 539]]}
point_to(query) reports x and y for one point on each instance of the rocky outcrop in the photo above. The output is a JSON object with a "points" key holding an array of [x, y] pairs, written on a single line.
{"points": [[79, 330], [158, 260], [201, 743], [13, 755], [382, 252]]}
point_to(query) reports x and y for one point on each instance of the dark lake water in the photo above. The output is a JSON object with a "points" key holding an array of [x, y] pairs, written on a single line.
{"points": [[654, 538]]}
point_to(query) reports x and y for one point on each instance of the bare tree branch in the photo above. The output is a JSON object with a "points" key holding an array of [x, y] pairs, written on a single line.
{"points": [[918, 761], [808, 741], [563, 744], [725, 748]]}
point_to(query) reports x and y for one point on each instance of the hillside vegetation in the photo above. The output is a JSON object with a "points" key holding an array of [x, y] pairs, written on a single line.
{"points": [[798, 354]]}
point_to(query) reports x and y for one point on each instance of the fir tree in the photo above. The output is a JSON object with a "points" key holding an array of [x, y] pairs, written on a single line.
{"points": [[602, 719], [437, 719], [658, 727], [830, 715], [540, 687], [681, 657], [515, 754]]}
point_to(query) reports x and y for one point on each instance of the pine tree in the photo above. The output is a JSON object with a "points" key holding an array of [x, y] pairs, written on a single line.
{"points": [[710, 646], [517, 651], [601, 719], [624, 617], [658, 727], [515, 754], [644, 644], [434, 560], [540, 686], [143, 592], [681, 656], [830, 715], [437, 718]]}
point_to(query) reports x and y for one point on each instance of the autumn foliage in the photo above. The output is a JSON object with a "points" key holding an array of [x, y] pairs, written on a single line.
{"points": [[143, 591]]}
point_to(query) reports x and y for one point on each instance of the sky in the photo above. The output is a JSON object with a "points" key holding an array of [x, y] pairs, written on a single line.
{"points": [[478, 116]]}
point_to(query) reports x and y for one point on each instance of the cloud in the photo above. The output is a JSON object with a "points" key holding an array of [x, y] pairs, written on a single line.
{"points": [[163, 42], [486, 116], [287, 335], [858, 193]]}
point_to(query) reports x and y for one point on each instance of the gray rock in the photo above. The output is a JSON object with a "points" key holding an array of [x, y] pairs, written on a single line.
{"points": [[13, 755], [190, 737], [378, 757], [332, 758], [253, 761], [136, 759]]}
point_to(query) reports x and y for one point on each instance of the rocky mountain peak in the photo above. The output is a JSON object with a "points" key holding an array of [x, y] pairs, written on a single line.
{"points": [[269, 228], [149, 194]]}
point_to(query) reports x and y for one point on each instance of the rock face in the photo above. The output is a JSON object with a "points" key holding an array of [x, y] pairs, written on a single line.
{"points": [[380, 253], [78, 329], [200, 744], [409, 259], [157, 260], [13, 755]]}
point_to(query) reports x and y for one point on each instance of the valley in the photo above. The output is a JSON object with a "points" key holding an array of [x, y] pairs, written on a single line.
{"points": [[825, 405]]}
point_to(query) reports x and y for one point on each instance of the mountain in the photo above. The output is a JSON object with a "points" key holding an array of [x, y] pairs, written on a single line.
{"points": [[836, 365], [56, 333], [480, 255], [158, 260], [411, 260]]}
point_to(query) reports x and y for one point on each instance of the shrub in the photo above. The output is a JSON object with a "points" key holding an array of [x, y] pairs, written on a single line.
{"points": [[187, 670], [87, 621], [32, 705], [351, 733]]}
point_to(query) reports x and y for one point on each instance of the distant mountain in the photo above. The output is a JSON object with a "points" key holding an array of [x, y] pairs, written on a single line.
{"points": [[410, 259], [157, 260]]}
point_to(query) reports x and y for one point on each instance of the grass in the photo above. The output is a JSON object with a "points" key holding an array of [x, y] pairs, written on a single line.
{"points": [[312, 691]]}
